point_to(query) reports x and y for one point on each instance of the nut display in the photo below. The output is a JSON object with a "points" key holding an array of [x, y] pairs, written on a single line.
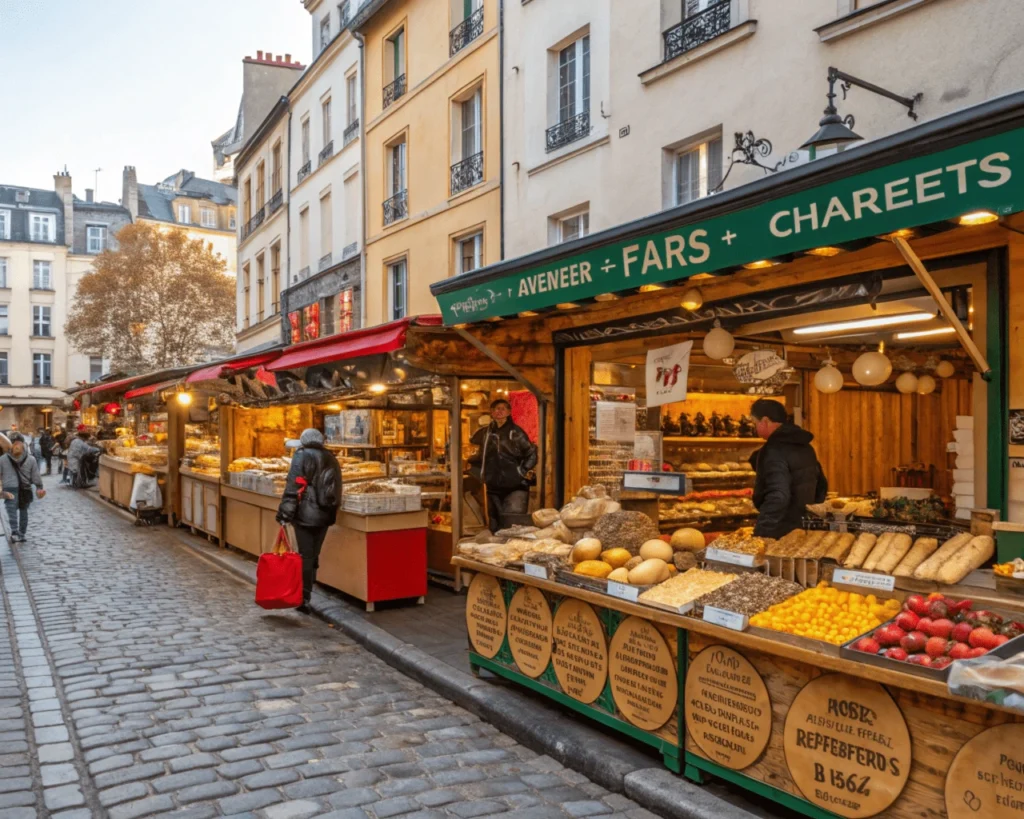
{"points": [[827, 614], [751, 593]]}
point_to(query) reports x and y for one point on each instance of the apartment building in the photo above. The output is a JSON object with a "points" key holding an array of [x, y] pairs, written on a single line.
{"points": [[617, 110], [432, 154]]}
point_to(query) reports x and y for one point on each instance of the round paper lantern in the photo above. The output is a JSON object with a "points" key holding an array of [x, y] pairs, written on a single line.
{"points": [[925, 385], [828, 379], [692, 299], [944, 369], [718, 344], [872, 369], [906, 383]]}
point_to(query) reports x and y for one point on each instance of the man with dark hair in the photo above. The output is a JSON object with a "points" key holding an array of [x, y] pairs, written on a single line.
{"points": [[788, 473], [505, 458]]}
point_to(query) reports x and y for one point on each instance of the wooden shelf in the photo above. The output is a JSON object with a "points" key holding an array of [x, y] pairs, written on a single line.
{"points": [[702, 441]]}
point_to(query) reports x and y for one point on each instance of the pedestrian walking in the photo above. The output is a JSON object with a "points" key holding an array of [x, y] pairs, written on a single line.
{"points": [[19, 473], [504, 462], [310, 503], [82, 459], [46, 446]]}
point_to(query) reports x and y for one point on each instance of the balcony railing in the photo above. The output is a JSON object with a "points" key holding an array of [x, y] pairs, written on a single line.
{"points": [[568, 131], [326, 153], [325, 262], [695, 31], [466, 32], [351, 132], [305, 169], [397, 207], [395, 90], [350, 250], [252, 224], [275, 201], [467, 173]]}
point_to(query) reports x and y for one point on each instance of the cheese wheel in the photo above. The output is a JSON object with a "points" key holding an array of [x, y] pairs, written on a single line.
{"points": [[919, 552], [881, 546], [930, 568], [860, 550], [898, 548]]}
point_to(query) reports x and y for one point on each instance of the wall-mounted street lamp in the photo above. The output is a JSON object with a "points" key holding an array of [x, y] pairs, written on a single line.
{"points": [[837, 132]]}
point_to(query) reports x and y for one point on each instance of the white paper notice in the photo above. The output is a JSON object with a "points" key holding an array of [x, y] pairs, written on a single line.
{"points": [[533, 570], [623, 591], [735, 558], [726, 618], [616, 421], [879, 582], [667, 371]]}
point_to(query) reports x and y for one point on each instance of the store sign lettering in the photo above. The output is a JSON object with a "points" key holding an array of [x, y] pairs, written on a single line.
{"points": [[986, 174]]}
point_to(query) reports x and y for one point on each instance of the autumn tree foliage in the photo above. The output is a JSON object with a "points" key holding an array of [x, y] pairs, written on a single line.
{"points": [[160, 300]]}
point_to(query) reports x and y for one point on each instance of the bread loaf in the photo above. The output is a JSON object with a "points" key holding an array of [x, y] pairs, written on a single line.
{"points": [[881, 546], [967, 559], [841, 548], [929, 570], [897, 550], [860, 550], [923, 547], [821, 547], [809, 544]]}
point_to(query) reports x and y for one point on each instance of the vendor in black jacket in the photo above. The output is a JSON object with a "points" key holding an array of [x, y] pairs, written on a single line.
{"points": [[507, 459], [788, 473]]}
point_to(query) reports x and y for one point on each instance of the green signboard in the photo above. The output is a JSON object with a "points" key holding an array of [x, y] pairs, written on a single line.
{"points": [[985, 174]]}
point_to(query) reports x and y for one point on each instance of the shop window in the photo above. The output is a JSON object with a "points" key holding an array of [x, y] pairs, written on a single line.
{"points": [[295, 326], [311, 321], [698, 171], [42, 369], [398, 289], [42, 278], [346, 307]]}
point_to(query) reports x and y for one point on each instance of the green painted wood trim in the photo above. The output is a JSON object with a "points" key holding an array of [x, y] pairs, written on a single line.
{"points": [[756, 786], [998, 396]]}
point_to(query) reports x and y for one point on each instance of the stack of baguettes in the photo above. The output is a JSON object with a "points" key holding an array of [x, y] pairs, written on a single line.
{"points": [[922, 559]]}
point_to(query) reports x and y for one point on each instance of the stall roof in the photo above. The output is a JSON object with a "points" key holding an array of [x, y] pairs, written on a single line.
{"points": [[149, 390], [929, 174], [383, 338], [222, 368], [137, 380]]}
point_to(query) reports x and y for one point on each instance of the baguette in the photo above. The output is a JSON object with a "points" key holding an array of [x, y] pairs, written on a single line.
{"points": [[881, 547], [794, 537], [966, 560], [923, 547], [809, 544], [861, 548], [821, 548], [842, 547], [930, 568], [898, 549]]}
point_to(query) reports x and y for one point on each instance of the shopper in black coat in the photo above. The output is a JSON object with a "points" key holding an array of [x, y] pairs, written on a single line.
{"points": [[788, 473], [310, 503], [46, 446], [506, 458]]}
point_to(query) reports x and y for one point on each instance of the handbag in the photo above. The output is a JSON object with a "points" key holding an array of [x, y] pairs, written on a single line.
{"points": [[279, 576], [24, 489]]}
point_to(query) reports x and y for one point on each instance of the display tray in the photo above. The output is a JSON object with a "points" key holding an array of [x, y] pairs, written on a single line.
{"points": [[597, 584], [677, 439], [806, 643]]}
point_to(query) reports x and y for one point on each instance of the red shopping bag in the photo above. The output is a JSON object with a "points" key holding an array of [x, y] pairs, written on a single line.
{"points": [[279, 576]]}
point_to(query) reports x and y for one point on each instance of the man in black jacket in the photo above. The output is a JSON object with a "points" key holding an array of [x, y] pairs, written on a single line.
{"points": [[506, 458], [310, 503], [788, 473]]}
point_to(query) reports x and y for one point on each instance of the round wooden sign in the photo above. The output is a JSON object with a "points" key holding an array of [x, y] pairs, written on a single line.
{"points": [[986, 778], [529, 631], [847, 745], [579, 653], [728, 710], [485, 615], [643, 674]]}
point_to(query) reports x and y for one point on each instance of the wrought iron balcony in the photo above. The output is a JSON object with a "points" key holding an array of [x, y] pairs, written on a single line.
{"points": [[467, 173], [325, 262], [252, 224], [305, 169], [326, 153], [350, 250], [275, 201], [351, 132], [466, 32], [696, 30], [568, 131], [395, 90], [397, 207]]}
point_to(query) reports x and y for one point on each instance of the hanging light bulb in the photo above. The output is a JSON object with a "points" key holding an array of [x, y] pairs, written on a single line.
{"points": [[692, 299], [925, 385], [906, 383], [828, 379], [944, 369], [718, 343], [872, 368]]}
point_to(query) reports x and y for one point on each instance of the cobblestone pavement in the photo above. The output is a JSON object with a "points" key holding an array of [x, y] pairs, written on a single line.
{"points": [[137, 680]]}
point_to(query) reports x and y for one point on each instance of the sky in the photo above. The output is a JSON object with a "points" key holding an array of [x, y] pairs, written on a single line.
{"points": [[107, 83]]}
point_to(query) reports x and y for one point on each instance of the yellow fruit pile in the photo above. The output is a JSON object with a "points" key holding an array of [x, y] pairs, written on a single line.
{"points": [[827, 614]]}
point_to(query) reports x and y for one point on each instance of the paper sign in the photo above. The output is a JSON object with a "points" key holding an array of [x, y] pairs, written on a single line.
{"points": [[667, 371], [725, 618], [1016, 463], [735, 558], [533, 570], [616, 421], [623, 591], [879, 582], [674, 482]]}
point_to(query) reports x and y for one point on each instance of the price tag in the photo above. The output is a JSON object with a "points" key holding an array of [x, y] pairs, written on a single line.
{"points": [[671, 482], [533, 570], [686, 608], [623, 591], [735, 558], [726, 618], [878, 582]]}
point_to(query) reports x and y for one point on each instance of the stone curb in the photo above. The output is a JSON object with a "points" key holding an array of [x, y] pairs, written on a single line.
{"points": [[544, 729]]}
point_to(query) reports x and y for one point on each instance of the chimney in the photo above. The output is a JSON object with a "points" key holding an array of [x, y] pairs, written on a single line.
{"points": [[62, 186], [88, 195], [130, 191], [259, 56], [287, 58]]}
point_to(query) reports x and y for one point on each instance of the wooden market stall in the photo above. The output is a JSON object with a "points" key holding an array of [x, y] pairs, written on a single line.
{"points": [[879, 296]]}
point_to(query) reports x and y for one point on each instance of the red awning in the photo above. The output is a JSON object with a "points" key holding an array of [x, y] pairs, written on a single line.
{"points": [[222, 368], [384, 338], [111, 385], [152, 388]]}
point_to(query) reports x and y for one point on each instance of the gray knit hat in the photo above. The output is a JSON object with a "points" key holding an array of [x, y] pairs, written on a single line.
{"points": [[311, 437]]}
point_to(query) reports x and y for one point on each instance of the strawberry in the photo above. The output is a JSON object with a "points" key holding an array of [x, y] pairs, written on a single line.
{"points": [[941, 628], [984, 618], [868, 645], [889, 635], [919, 659], [907, 620], [960, 606], [982, 637], [914, 642], [896, 654], [941, 662], [938, 610], [925, 625], [917, 604], [977, 652], [999, 640], [960, 651], [937, 647], [961, 632]]}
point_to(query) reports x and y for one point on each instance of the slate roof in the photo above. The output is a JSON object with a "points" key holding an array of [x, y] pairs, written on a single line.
{"points": [[38, 200], [156, 202]]}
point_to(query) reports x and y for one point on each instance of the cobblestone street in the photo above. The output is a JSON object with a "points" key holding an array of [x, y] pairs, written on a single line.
{"points": [[137, 680]]}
